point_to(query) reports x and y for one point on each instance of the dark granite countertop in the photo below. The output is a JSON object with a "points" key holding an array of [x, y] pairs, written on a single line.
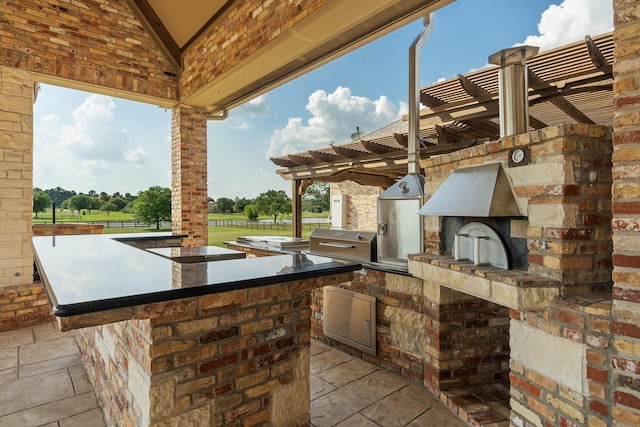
{"points": [[90, 273], [198, 254]]}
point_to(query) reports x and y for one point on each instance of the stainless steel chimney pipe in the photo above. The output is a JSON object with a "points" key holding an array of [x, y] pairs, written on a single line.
{"points": [[414, 95], [513, 88]]}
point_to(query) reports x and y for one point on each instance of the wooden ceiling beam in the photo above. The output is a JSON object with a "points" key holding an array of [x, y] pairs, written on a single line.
{"points": [[568, 108], [430, 101], [536, 123], [325, 157], [402, 139], [598, 59], [486, 127], [374, 147], [157, 32], [473, 90]]}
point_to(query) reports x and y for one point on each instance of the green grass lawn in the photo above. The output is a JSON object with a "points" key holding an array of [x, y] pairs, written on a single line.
{"points": [[217, 235], [94, 216]]}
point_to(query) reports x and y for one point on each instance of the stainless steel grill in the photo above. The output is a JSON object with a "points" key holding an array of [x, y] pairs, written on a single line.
{"points": [[348, 244]]}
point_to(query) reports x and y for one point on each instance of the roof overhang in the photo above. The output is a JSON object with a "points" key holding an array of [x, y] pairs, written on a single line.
{"points": [[332, 29]]}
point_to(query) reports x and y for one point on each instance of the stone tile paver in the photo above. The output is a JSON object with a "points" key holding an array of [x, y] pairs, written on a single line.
{"points": [[328, 359], [23, 393], [92, 418], [395, 409], [48, 387], [16, 338], [377, 399], [357, 420], [80, 379], [45, 385], [344, 373], [48, 365], [319, 387], [53, 411], [436, 417], [46, 350]]}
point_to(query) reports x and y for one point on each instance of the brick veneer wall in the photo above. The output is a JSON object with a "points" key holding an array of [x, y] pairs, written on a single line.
{"points": [[399, 320], [16, 177], [441, 342], [625, 369], [467, 343], [95, 42], [361, 204], [584, 323], [234, 358], [66, 229], [565, 193], [238, 34], [23, 306]]}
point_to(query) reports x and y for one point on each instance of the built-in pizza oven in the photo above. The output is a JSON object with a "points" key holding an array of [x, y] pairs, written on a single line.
{"points": [[482, 222]]}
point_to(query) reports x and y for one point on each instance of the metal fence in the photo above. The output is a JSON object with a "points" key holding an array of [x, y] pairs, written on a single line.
{"points": [[259, 225], [115, 224], [253, 225]]}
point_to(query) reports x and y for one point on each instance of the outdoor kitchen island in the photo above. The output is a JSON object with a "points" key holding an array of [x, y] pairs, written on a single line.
{"points": [[169, 343]]}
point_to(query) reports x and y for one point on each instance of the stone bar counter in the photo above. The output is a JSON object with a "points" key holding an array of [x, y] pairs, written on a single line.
{"points": [[197, 343]]}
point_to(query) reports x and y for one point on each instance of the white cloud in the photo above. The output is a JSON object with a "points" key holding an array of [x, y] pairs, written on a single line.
{"points": [[93, 135], [571, 21], [137, 156], [257, 107], [334, 117]]}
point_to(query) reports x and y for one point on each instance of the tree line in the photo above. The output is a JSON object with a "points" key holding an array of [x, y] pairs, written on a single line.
{"points": [[154, 204], [315, 199]]}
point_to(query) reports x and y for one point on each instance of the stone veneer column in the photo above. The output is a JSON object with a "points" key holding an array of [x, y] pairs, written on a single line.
{"points": [[16, 177], [189, 174], [626, 213]]}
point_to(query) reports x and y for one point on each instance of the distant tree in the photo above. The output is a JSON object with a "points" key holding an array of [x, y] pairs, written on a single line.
{"points": [[224, 205], [251, 212], [119, 202], [104, 196], [59, 195], [128, 208], [210, 199], [153, 205], [109, 207], [80, 202], [92, 193], [240, 203], [273, 203], [117, 194], [316, 198], [129, 197], [41, 201], [94, 204]]}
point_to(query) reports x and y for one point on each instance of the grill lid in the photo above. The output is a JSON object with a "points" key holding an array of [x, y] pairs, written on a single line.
{"points": [[478, 191]]}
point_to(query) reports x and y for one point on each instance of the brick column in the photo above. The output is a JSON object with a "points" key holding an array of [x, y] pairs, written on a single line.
{"points": [[626, 215], [16, 177], [189, 174]]}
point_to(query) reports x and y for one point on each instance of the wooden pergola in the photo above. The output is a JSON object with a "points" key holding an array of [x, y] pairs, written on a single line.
{"points": [[570, 84]]}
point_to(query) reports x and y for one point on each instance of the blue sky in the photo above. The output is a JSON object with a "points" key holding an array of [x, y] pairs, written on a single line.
{"points": [[86, 142]]}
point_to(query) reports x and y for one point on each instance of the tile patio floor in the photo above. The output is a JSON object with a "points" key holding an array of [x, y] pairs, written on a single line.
{"points": [[43, 383]]}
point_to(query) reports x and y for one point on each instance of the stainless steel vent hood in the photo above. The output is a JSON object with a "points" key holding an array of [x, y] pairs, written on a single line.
{"points": [[411, 185], [478, 191]]}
